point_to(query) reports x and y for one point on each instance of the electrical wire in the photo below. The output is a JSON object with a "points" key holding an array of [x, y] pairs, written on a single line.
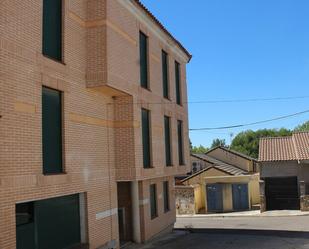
{"points": [[219, 101], [250, 124]]}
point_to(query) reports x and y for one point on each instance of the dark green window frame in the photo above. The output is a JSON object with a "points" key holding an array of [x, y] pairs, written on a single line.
{"points": [[167, 140], [178, 83], [143, 49], [146, 138], [153, 201], [165, 78], [52, 131], [180, 142], [24, 213], [52, 29], [166, 198]]}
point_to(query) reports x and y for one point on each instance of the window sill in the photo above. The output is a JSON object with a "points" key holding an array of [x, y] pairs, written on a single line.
{"points": [[154, 217], [146, 88], [53, 59], [169, 166], [54, 174], [150, 167]]}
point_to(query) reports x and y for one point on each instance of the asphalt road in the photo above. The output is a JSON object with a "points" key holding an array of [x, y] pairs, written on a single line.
{"points": [[229, 241], [236, 233]]}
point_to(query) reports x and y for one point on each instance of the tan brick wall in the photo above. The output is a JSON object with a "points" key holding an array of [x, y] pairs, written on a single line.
{"points": [[102, 135]]}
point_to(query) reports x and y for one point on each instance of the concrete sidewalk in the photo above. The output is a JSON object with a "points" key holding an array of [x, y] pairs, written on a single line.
{"points": [[275, 223], [254, 213]]}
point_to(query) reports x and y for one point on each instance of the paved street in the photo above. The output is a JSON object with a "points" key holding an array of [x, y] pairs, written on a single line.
{"points": [[228, 241], [269, 232], [290, 223]]}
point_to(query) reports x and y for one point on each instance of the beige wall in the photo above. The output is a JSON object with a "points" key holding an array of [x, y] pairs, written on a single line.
{"points": [[201, 163], [231, 158], [215, 176], [102, 135]]}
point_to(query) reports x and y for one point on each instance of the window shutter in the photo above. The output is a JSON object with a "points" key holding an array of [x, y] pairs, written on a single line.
{"points": [[146, 138], [52, 29], [52, 130]]}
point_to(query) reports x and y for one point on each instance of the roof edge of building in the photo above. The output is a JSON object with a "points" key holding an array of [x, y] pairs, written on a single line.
{"points": [[162, 27]]}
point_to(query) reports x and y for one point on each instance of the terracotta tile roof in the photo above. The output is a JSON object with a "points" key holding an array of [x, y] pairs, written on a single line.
{"points": [[161, 26], [228, 168], [232, 152], [301, 140], [295, 147]]}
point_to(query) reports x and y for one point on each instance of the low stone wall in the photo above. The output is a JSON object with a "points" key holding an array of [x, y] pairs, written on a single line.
{"points": [[304, 203], [184, 196]]}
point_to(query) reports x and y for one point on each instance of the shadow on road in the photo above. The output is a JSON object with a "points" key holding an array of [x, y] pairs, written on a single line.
{"points": [[254, 232]]}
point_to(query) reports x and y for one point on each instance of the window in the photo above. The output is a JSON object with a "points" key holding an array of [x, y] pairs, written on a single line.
{"points": [[52, 29], [166, 198], [165, 74], [167, 135], [177, 82], [180, 142], [153, 201], [307, 189], [146, 138], [52, 130], [24, 213], [143, 49]]}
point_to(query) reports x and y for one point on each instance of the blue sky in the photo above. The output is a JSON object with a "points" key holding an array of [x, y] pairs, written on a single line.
{"points": [[241, 49]]}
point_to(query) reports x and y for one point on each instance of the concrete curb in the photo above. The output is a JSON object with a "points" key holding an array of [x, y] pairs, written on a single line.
{"points": [[238, 216]]}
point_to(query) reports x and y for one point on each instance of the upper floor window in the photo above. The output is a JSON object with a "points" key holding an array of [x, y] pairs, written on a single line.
{"points": [[177, 83], [167, 136], [52, 130], [52, 29], [146, 138], [180, 142], [143, 49], [165, 74]]}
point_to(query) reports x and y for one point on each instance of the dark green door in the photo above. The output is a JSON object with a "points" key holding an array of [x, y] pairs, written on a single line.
{"points": [[56, 225], [58, 222]]}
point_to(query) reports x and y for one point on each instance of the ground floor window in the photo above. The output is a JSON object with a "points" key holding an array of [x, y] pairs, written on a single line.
{"points": [[166, 198], [153, 201]]}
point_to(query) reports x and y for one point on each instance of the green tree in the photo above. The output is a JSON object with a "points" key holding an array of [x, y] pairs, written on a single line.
{"points": [[199, 149], [218, 142], [302, 127], [247, 142]]}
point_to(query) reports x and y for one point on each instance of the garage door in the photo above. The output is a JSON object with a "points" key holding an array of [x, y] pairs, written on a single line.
{"points": [[48, 224], [282, 193], [214, 198], [240, 197]]}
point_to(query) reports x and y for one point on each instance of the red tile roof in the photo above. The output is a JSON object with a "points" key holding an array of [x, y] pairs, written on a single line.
{"points": [[161, 26], [295, 147]]}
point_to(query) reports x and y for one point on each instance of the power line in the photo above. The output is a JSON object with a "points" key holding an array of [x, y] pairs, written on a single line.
{"points": [[247, 100], [250, 124], [218, 101]]}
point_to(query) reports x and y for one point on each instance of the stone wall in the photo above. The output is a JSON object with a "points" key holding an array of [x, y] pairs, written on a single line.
{"points": [[184, 200]]}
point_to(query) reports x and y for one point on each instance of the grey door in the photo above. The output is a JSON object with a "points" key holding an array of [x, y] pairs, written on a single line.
{"points": [[214, 198], [240, 197]]}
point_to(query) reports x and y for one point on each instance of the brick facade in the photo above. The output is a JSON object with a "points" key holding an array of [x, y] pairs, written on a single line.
{"points": [[102, 100]]}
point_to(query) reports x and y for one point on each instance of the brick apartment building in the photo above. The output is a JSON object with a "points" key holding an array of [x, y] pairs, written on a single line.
{"points": [[93, 126]]}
